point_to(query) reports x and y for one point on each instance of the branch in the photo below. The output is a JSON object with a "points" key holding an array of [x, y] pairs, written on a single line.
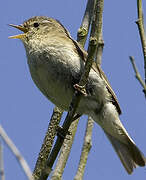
{"points": [[140, 24], [85, 150], [98, 11], [137, 75], [100, 42], [84, 28], [99, 51], [65, 151], [16, 152], [2, 175], [47, 143]]}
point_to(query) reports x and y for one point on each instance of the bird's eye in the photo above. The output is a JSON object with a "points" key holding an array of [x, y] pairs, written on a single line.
{"points": [[36, 24]]}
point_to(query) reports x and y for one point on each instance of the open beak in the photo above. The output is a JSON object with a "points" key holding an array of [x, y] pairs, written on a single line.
{"points": [[21, 28]]}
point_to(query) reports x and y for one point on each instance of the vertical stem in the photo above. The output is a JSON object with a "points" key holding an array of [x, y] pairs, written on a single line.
{"points": [[48, 142], [65, 152], [85, 150], [140, 24], [84, 28]]}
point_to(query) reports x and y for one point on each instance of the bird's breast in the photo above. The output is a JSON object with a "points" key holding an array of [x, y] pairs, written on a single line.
{"points": [[55, 74]]}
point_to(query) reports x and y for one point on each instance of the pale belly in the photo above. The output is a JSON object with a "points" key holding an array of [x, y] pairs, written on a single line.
{"points": [[52, 86], [56, 81]]}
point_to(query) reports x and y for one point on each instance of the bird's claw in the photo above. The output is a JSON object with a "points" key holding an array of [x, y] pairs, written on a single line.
{"points": [[81, 89]]}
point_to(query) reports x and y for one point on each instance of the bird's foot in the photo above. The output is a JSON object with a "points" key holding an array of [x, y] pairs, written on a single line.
{"points": [[81, 89]]}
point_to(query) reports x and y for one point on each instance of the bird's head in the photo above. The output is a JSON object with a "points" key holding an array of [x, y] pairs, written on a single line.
{"points": [[39, 27]]}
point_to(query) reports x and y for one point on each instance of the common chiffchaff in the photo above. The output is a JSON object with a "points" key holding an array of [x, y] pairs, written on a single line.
{"points": [[56, 63]]}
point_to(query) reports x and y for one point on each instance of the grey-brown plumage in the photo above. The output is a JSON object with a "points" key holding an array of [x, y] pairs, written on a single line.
{"points": [[56, 63]]}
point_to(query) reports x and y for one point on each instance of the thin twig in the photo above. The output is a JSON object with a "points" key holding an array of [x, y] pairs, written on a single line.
{"points": [[84, 28], [140, 24], [100, 43], [17, 154], [85, 150], [48, 142], [2, 174], [98, 11], [99, 51], [65, 151], [137, 74]]}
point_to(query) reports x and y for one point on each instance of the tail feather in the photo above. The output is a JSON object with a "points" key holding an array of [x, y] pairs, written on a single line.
{"points": [[137, 155], [129, 154]]}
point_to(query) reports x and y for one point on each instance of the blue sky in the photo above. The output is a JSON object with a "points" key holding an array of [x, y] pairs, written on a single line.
{"points": [[25, 112]]}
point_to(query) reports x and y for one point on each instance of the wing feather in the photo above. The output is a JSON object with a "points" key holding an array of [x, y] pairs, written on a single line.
{"points": [[95, 67]]}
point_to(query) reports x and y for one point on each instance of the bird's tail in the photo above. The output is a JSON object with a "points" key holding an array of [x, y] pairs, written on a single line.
{"points": [[129, 153]]}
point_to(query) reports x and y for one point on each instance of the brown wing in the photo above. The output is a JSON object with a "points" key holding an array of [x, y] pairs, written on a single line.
{"points": [[95, 67], [114, 97]]}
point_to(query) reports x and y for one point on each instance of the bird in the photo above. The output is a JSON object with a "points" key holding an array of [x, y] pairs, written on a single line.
{"points": [[56, 62]]}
